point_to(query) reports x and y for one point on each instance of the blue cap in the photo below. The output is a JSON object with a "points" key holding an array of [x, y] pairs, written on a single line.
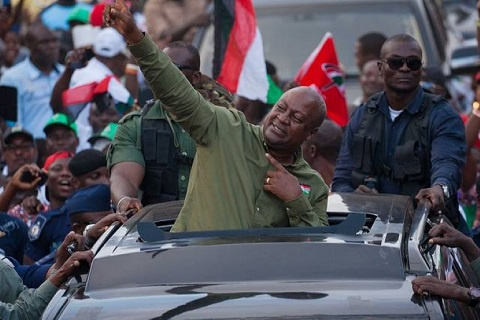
{"points": [[94, 198]]}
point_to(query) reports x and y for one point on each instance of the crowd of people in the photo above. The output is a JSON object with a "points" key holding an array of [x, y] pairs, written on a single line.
{"points": [[97, 134]]}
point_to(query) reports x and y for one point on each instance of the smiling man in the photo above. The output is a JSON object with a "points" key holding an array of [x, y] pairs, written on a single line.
{"points": [[403, 140], [243, 176]]}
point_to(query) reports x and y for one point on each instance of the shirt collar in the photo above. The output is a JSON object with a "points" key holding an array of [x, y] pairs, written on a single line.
{"points": [[412, 108], [34, 72]]}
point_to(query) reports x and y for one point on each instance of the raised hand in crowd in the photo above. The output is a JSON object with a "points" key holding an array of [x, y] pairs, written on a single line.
{"points": [[118, 16], [27, 177]]}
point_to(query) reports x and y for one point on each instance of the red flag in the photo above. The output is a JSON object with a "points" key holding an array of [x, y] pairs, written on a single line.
{"points": [[80, 94], [322, 73]]}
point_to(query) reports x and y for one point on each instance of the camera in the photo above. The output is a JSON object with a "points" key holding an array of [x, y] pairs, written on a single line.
{"points": [[27, 176], [72, 248]]}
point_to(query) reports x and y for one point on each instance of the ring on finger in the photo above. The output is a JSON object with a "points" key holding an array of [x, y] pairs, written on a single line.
{"points": [[268, 180]]}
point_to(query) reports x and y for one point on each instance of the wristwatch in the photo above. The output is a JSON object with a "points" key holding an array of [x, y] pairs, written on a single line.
{"points": [[474, 294], [446, 192]]}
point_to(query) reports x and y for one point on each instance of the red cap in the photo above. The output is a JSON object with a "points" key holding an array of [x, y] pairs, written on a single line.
{"points": [[54, 157], [96, 16]]}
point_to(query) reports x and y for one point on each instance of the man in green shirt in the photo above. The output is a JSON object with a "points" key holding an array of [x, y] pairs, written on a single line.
{"points": [[19, 302], [243, 176], [150, 151]]}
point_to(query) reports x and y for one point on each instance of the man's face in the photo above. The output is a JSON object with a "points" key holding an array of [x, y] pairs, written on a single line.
{"points": [[18, 152], [181, 58], [290, 121], [45, 46], [60, 138], [60, 180], [98, 176], [401, 79], [370, 79], [100, 119]]}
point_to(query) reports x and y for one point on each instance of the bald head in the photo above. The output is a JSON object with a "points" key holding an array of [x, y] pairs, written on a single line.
{"points": [[185, 53], [399, 38], [293, 119], [314, 103]]}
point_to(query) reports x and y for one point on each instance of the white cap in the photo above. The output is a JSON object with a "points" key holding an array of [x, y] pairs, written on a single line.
{"points": [[109, 43], [84, 35]]}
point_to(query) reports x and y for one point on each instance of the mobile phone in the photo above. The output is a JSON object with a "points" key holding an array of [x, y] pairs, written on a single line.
{"points": [[27, 176]]}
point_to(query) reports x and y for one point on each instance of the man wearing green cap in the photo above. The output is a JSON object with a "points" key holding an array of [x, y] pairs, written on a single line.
{"points": [[103, 140], [61, 134]]}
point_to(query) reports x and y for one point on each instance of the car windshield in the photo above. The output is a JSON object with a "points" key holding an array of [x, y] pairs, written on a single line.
{"points": [[294, 25]]}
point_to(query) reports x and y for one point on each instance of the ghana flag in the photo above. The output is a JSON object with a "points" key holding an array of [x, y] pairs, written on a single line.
{"points": [[239, 62]]}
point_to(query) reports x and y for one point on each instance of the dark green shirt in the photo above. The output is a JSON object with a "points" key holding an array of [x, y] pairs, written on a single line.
{"points": [[226, 182], [127, 144], [19, 302]]}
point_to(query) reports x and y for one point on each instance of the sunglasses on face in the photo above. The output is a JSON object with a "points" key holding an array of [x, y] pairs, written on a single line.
{"points": [[182, 67], [413, 64]]}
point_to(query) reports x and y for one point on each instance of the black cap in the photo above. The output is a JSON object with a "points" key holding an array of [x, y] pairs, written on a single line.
{"points": [[87, 161], [17, 131]]}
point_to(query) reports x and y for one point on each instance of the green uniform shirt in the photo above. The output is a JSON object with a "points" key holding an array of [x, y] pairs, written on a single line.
{"points": [[126, 145], [226, 182], [19, 302]]}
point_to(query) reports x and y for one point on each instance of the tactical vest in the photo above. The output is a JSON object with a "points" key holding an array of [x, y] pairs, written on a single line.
{"points": [[411, 167], [162, 159]]}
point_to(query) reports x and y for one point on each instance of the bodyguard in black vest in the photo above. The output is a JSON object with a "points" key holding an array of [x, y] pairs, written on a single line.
{"points": [[404, 140]]}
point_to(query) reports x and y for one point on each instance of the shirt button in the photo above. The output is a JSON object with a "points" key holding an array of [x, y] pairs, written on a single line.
{"points": [[182, 178], [184, 153], [258, 209], [183, 130], [288, 209]]}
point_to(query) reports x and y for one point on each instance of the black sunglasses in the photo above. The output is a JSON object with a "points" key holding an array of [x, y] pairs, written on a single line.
{"points": [[184, 67], [413, 64]]}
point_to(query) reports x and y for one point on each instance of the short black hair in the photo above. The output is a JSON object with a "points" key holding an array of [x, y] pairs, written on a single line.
{"points": [[328, 140], [401, 37], [371, 43], [194, 56]]}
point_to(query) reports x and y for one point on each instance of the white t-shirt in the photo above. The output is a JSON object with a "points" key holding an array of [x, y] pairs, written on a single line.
{"points": [[394, 113]]}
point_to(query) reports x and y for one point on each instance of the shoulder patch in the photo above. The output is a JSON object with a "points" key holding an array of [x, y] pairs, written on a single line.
{"points": [[130, 115], [36, 228]]}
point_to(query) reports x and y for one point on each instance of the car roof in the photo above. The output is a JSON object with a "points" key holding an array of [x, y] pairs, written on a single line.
{"points": [[193, 259]]}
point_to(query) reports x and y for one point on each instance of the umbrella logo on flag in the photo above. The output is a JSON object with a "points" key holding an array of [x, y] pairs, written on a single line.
{"points": [[334, 73]]}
